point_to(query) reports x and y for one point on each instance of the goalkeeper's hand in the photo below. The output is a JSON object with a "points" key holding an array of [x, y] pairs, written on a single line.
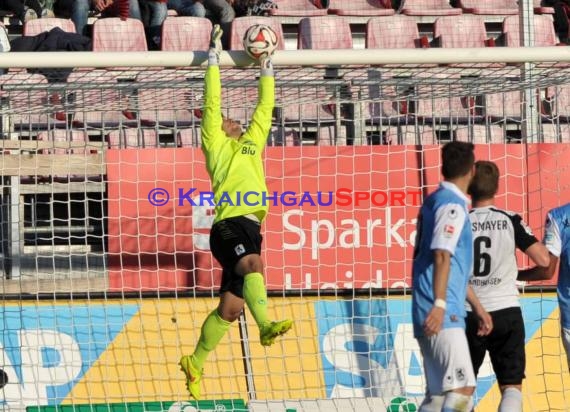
{"points": [[266, 66], [215, 45]]}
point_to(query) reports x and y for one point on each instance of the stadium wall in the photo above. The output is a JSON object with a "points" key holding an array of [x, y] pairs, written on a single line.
{"points": [[125, 352]]}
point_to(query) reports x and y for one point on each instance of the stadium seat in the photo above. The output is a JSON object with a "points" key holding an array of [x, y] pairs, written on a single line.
{"points": [[410, 135], [544, 33], [186, 34], [555, 132], [385, 108], [557, 103], [189, 137], [162, 97], [132, 138], [361, 8], [324, 33], [503, 107], [297, 8], [27, 109], [460, 32], [37, 26], [490, 7], [448, 111], [283, 136], [241, 24], [114, 34], [539, 9], [428, 8], [479, 133], [238, 103], [395, 32], [100, 106], [326, 136]]}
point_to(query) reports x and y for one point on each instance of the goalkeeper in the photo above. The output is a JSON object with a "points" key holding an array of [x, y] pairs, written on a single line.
{"points": [[234, 163]]}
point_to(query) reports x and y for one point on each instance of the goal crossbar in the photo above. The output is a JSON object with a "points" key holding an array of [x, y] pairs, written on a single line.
{"points": [[289, 57]]}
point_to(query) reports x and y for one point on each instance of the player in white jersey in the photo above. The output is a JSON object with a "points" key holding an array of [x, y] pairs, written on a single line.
{"points": [[443, 258], [496, 236], [557, 241]]}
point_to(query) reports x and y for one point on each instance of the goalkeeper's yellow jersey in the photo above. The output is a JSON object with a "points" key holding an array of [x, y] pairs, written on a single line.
{"points": [[236, 166]]}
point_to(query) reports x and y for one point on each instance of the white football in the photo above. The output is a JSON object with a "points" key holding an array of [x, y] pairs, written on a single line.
{"points": [[260, 40]]}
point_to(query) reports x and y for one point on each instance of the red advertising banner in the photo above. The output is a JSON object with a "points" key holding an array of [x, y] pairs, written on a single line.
{"points": [[340, 217]]}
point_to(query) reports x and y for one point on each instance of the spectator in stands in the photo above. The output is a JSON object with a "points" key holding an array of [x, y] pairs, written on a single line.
{"points": [[153, 14], [28, 10], [218, 11], [107, 8], [253, 7]]}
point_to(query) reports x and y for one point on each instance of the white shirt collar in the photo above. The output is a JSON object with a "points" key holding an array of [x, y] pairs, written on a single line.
{"points": [[453, 187]]}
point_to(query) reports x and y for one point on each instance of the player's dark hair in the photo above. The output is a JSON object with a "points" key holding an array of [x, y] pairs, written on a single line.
{"points": [[457, 159], [485, 183]]}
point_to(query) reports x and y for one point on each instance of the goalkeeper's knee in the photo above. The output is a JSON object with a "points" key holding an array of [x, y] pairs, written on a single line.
{"points": [[456, 402]]}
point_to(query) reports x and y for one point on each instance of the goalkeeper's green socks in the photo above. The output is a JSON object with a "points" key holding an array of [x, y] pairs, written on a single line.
{"points": [[255, 296], [213, 330]]}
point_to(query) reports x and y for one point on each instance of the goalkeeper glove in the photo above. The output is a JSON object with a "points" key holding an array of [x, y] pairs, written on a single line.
{"points": [[266, 66], [215, 45]]}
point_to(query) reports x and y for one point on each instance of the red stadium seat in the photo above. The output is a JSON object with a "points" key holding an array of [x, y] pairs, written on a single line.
{"points": [[167, 102], [114, 34], [185, 34], [410, 135], [384, 108], [396, 32], [37, 26], [27, 109], [189, 137], [495, 7], [460, 31], [241, 24], [479, 133], [326, 136], [558, 103], [539, 9], [132, 138], [555, 132], [361, 8], [544, 33], [428, 8], [100, 107], [324, 33], [300, 8]]}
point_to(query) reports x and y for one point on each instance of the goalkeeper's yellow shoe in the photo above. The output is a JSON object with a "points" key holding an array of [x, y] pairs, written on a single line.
{"points": [[272, 330], [193, 376]]}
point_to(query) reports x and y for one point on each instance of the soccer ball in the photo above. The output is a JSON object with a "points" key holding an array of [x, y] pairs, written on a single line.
{"points": [[259, 41]]}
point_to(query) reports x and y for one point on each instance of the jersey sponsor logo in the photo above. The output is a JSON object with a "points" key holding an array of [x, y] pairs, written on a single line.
{"points": [[448, 230], [248, 148], [239, 249], [452, 214], [485, 282], [460, 374]]}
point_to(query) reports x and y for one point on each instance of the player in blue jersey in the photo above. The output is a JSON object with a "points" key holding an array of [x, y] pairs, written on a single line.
{"points": [[557, 241], [443, 259]]}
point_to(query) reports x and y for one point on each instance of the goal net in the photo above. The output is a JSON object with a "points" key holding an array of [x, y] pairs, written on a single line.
{"points": [[107, 272]]}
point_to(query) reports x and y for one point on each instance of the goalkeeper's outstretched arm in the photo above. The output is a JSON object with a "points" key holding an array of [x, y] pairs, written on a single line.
{"points": [[211, 126], [260, 125]]}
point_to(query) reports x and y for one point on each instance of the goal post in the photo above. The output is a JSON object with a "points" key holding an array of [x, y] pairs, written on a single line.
{"points": [[105, 222]]}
